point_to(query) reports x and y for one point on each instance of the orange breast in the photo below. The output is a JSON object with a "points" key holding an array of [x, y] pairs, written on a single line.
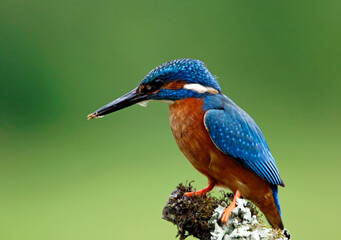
{"points": [[186, 120]]}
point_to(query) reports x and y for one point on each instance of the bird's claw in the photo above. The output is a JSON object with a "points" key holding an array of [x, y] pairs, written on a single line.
{"points": [[227, 212]]}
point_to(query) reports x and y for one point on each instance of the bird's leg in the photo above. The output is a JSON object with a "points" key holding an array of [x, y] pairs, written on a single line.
{"points": [[203, 191], [227, 212]]}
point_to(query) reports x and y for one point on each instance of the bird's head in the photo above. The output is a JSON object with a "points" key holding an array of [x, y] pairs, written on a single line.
{"points": [[171, 81]]}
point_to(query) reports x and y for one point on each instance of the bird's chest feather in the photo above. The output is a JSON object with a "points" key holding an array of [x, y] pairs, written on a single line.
{"points": [[187, 124]]}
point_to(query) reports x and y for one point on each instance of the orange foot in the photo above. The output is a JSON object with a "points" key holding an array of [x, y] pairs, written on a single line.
{"points": [[227, 212], [202, 191]]}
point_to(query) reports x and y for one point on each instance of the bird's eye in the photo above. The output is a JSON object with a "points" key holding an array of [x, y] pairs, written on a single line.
{"points": [[158, 83], [155, 85]]}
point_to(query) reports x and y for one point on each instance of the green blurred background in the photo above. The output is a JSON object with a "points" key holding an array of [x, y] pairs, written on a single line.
{"points": [[62, 177]]}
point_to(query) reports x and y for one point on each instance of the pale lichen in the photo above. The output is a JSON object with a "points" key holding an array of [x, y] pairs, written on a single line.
{"points": [[242, 224]]}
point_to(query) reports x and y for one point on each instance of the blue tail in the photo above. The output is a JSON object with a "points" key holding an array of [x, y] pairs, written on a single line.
{"points": [[275, 195]]}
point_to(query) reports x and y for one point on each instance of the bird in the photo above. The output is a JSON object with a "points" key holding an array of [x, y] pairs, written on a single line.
{"points": [[217, 137]]}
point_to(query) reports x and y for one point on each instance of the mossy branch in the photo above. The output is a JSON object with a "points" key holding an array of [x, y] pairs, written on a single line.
{"points": [[199, 216]]}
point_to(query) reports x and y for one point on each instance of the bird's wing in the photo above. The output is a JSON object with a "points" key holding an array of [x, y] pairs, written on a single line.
{"points": [[235, 133]]}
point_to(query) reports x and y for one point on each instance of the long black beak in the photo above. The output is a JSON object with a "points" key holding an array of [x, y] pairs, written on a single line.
{"points": [[126, 100]]}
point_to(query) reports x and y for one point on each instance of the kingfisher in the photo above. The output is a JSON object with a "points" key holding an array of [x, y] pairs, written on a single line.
{"points": [[218, 138]]}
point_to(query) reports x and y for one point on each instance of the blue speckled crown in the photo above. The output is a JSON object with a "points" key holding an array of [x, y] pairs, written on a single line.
{"points": [[190, 70]]}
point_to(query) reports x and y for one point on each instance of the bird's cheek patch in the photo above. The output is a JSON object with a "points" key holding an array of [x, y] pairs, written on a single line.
{"points": [[174, 85]]}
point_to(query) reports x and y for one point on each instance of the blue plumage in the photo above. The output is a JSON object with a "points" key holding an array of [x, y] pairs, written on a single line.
{"points": [[235, 133], [175, 94]]}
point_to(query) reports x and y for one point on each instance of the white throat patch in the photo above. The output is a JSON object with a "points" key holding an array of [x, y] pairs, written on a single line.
{"points": [[200, 88], [145, 103]]}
